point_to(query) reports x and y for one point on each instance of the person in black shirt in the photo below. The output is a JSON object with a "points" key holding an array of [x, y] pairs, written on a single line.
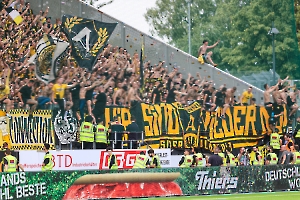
{"points": [[133, 131], [207, 98], [171, 98], [157, 94], [100, 104], [219, 100], [277, 110], [25, 95], [215, 159], [75, 97], [116, 131]]}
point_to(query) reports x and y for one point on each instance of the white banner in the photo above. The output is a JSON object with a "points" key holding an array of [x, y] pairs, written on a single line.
{"points": [[63, 160], [87, 159]]}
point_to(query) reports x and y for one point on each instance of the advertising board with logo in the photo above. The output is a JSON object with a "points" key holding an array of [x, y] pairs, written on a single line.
{"points": [[130, 183], [87, 159]]}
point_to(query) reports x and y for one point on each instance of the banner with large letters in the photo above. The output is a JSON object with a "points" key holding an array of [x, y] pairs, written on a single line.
{"points": [[106, 184], [173, 126], [88, 159]]}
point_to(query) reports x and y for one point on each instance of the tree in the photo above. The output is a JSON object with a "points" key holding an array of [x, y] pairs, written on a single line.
{"points": [[241, 25]]}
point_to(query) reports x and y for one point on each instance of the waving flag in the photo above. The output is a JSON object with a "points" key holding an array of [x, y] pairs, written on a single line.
{"points": [[87, 37]]}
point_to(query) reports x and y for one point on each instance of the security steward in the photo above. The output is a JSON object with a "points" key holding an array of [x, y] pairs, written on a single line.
{"points": [[297, 132], [257, 160], [271, 158], [296, 156], [275, 141], [3, 149], [112, 160], [186, 159], [200, 159], [230, 158], [11, 163], [222, 155], [86, 133], [48, 159], [141, 161], [155, 161], [101, 136]]}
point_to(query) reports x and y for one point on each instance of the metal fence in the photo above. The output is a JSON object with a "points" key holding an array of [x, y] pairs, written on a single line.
{"points": [[155, 50]]}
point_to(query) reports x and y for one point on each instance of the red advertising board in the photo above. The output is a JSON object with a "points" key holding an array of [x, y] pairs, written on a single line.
{"points": [[125, 158]]}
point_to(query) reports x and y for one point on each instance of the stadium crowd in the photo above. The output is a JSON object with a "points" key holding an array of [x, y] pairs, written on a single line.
{"points": [[114, 80]]}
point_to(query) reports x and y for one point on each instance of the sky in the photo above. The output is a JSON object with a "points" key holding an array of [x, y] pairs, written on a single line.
{"points": [[130, 12]]}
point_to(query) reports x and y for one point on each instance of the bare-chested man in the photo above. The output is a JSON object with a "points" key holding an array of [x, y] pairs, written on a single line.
{"points": [[277, 94], [207, 56], [267, 93], [133, 94], [120, 97], [192, 94], [292, 102], [46, 96], [84, 87], [229, 99]]}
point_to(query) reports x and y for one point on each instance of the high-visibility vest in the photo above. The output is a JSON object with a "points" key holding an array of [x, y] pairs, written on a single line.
{"points": [[231, 159], [115, 165], [11, 163], [188, 161], [140, 161], [200, 160], [297, 157], [298, 134], [86, 132], [274, 158], [292, 148], [157, 159], [100, 135], [223, 157], [255, 161], [274, 140], [50, 164]]}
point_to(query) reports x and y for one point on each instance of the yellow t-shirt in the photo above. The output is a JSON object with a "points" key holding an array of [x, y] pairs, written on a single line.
{"points": [[246, 97], [59, 90], [4, 92]]}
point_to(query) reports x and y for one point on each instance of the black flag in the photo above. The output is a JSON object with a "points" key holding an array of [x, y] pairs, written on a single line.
{"points": [[87, 37], [142, 68]]}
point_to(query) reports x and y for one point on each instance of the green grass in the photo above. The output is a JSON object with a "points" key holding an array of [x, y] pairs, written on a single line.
{"points": [[295, 195]]}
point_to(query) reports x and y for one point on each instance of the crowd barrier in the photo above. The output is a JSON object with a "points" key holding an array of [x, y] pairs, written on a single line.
{"points": [[162, 126], [105, 184]]}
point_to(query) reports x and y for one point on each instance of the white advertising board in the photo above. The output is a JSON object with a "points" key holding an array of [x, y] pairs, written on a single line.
{"points": [[87, 159]]}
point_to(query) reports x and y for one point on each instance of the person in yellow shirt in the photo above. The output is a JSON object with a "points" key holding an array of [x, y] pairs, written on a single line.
{"points": [[4, 92], [246, 96], [58, 96]]}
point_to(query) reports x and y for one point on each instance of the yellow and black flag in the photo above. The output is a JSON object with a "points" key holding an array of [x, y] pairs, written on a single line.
{"points": [[49, 52], [87, 37], [15, 15]]}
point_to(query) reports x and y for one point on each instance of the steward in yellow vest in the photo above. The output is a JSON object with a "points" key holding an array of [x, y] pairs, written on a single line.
{"points": [[200, 159], [186, 160], [86, 133], [257, 160], [154, 159], [101, 136], [222, 155], [230, 158], [275, 142], [297, 132], [48, 160], [141, 161], [112, 160], [11, 162]]}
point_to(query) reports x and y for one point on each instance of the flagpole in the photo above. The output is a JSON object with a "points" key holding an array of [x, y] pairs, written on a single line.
{"points": [[142, 63]]}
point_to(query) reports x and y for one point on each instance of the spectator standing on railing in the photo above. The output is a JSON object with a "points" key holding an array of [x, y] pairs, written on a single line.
{"points": [[246, 97], [133, 132], [101, 136], [100, 104], [25, 96], [207, 56], [219, 101], [116, 131]]}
